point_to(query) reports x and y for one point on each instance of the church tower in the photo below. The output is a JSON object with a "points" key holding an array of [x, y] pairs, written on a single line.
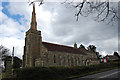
{"points": [[33, 40]]}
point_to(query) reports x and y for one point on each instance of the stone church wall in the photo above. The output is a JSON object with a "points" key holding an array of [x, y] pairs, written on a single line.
{"points": [[55, 58]]}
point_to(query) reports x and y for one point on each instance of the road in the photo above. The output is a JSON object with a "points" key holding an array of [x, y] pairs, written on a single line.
{"points": [[107, 75]]}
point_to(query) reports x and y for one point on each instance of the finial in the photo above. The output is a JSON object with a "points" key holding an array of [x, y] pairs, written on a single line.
{"points": [[75, 45]]}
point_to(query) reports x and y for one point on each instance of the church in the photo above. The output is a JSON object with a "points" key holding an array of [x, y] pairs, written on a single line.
{"points": [[38, 53]]}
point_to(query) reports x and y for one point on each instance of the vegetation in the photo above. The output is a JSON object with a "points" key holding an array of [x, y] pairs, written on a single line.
{"points": [[82, 46], [116, 54], [92, 48], [17, 62], [3, 52], [60, 73]]}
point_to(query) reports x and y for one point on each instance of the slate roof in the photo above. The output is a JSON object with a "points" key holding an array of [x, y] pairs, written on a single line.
{"points": [[62, 48], [84, 50]]}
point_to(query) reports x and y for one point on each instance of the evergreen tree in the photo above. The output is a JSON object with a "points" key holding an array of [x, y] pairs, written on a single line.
{"points": [[82, 46], [116, 54], [92, 48]]}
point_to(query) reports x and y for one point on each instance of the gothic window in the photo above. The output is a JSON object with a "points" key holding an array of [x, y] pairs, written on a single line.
{"points": [[68, 60], [46, 57], [71, 61], [86, 62], [54, 59], [61, 60], [77, 60], [49, 59]]}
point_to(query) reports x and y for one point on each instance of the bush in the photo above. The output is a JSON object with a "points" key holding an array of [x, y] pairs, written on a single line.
{"points": [[59, 73], [43, 72]]}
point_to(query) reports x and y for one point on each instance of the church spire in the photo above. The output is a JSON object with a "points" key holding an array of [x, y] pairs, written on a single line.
{"points": [[33, 19]]}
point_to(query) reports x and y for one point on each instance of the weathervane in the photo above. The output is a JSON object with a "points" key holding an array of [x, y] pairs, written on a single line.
{"points": [[40, 2]]}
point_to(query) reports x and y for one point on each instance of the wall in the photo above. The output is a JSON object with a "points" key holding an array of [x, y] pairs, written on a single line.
{"points": [[54, 58]]}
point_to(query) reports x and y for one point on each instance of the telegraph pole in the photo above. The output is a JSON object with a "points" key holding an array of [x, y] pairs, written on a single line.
{"points": [[12, 61], [119, 27], [12, 55]]}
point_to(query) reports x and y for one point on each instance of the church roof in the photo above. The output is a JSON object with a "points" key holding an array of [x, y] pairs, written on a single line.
{"points": [[86, 51], [62, 48]]}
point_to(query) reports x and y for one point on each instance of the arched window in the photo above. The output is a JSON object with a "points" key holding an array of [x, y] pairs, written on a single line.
{"points": [[86, 62], [63, 58], [77, 60], [71, 61], [54, 59], [68, 60]]}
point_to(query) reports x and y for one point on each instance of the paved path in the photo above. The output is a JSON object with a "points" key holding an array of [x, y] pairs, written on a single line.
{"points": [[107, 75]]}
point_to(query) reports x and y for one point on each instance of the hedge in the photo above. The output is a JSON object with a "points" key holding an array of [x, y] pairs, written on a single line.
{"points": [[58, 73]]}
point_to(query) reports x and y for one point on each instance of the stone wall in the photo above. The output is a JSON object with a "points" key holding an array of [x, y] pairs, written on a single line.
{"points": [[54, 58], [32, 47]]}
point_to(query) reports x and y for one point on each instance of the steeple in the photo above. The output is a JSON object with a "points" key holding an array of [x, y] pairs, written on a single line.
{"points": [[33, 19]]}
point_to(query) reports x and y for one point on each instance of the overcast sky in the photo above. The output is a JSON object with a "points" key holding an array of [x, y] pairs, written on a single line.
{"points": [[57, 24]]}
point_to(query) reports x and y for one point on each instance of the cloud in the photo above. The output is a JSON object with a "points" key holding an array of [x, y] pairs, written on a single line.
{"points": [[86, 30], [11, 34], [11, 42], [58, 25]]}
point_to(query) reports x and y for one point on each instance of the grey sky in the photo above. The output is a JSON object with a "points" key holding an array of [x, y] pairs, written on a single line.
{"points": [[66, 30], [57, 23]]}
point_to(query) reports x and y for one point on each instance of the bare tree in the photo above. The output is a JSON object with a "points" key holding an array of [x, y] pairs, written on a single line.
{"points": [[103, 10], [3, 52], [40, 2]]}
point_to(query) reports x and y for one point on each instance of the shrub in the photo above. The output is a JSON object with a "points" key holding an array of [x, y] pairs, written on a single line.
{"points": [[53, 73]]}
